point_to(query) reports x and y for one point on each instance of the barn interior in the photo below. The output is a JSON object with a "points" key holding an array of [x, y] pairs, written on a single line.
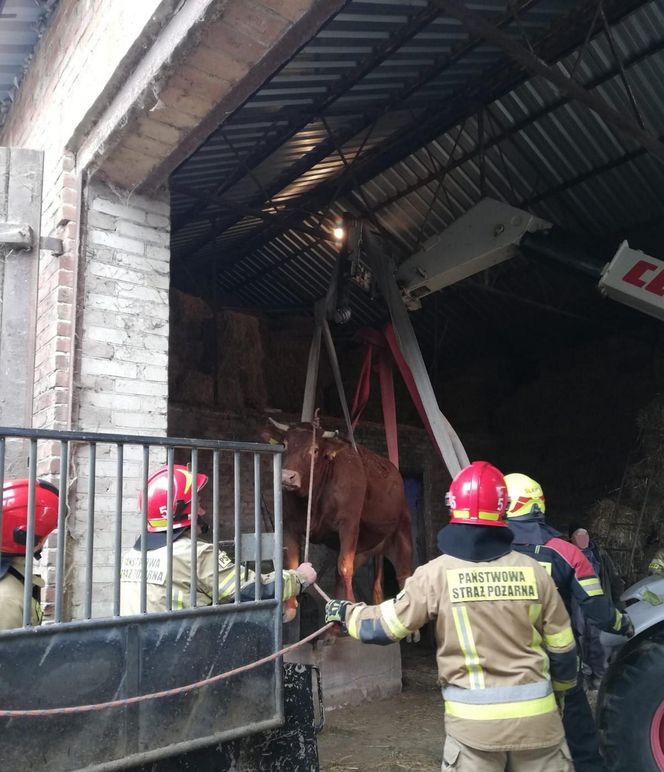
{"points": [[404, 115]]}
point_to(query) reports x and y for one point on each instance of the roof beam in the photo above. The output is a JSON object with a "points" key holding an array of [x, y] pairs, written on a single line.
{"points": [[297, 122], [517, 128], [558, 41], [477, 25], [309, 160]]}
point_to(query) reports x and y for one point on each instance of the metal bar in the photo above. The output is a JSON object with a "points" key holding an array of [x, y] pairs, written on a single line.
{"points": [[133, 439], [90, 528], [623, 74], [30, 536], [144, 530], [258, 558], [118, 529], [477, 25], [332, 356], [170, 456], [237, 522], [215, 527], [62, 514], [193, 580], [278, 567]]}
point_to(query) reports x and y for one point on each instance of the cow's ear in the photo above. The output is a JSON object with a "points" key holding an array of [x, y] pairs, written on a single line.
{"points": [[272, 435]]}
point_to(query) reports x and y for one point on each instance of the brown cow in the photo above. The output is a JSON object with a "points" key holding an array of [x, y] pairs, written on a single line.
{"points": [[359, 506]]}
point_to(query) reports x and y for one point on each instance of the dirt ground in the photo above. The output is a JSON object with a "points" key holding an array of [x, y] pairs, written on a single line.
{"points": [[402, 732]]}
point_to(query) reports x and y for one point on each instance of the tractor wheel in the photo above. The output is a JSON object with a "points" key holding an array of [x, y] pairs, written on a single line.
{"points": [[631, 708]]}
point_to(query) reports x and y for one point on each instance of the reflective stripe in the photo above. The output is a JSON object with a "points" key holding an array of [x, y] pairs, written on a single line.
{"points": [[178, 599], [502, 710], [288, 588], [618, 622], [498, 694], [462, 514], [227, 587], [388, 614], [563, 686], [467, 642], [591, 586], [560, 640]]}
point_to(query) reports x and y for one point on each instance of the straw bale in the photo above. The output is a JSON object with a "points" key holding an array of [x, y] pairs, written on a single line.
{"points": [[617, 528], [239, 372]]}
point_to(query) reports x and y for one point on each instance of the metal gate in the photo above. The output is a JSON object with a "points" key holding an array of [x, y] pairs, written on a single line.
{"points": [[90, 655]]}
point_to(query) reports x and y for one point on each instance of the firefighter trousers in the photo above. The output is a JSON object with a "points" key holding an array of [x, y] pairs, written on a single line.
{"points": [[458, 757], [581, 731]]}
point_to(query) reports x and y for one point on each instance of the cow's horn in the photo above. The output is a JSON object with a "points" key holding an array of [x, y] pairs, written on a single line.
{"points": [[330, 435], [276, 424]]}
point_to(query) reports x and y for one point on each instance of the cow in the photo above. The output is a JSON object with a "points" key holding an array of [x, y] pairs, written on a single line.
{"points": [[359, 505]]}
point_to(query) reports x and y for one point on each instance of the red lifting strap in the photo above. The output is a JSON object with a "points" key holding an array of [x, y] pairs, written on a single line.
{"points": [[383, 344]]}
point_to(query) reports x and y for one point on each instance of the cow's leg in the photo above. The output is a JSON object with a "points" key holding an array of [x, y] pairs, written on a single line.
{"points": [[346, 563], [291, 561], [379, 563]]}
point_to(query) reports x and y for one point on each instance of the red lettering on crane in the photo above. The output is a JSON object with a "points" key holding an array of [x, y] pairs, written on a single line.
{"points": [[633, 276]]}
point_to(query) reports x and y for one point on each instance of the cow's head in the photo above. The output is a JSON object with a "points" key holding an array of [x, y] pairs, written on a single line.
{"points": [[297, 440]]}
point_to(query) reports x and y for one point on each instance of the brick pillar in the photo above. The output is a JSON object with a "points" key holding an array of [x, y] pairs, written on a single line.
{"points": [[121, 376]]}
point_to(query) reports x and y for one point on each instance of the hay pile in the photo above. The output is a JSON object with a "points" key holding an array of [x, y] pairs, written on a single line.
{"points": [[632, 520], [239, 378]]}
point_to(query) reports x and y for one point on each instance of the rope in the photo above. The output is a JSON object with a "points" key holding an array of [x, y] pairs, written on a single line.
{"points": [[315, 424], [160, 695]]}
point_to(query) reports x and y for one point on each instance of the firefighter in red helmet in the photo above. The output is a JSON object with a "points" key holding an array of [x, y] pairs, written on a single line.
{"points": [[184, 490], [505, 645], [14, 547]]}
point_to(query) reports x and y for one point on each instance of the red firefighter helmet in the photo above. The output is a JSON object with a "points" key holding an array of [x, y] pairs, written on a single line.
{"points": [[15, 515], [478, 496], [183, 494]]}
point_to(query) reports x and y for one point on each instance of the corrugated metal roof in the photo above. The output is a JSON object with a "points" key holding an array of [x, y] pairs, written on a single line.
{"points": [[381, 76], [22, 22]]}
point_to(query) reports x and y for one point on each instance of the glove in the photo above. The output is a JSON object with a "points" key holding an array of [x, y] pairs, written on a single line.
{"points": [[335, 611], [306, 573], [627, 628]]}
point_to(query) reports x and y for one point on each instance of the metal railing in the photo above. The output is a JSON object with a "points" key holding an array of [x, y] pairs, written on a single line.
{"points": [[76, 456]]}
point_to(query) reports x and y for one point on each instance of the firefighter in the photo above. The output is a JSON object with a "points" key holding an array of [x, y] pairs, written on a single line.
{"points": [[505, 648], [13, 548], [183, 492], [574, 577]]}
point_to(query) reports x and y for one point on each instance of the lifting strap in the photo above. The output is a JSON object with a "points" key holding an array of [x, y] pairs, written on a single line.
{"points": [[405, 347]]}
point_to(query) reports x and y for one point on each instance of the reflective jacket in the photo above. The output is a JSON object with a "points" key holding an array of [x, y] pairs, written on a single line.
{"points": [[11, 596], [130, 600], [575, 578], [504, 645]]}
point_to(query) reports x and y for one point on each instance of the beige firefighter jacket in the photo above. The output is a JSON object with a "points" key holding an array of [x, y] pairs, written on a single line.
{"points": [[156, 578], [11, 598], [504, 645]]}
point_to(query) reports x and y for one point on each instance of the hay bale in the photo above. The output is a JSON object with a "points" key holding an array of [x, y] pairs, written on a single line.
{"points": [[621, 530], [239, 372]]}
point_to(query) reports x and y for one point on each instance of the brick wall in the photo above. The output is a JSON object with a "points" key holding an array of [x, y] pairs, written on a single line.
{"points": [[121, 381]]}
